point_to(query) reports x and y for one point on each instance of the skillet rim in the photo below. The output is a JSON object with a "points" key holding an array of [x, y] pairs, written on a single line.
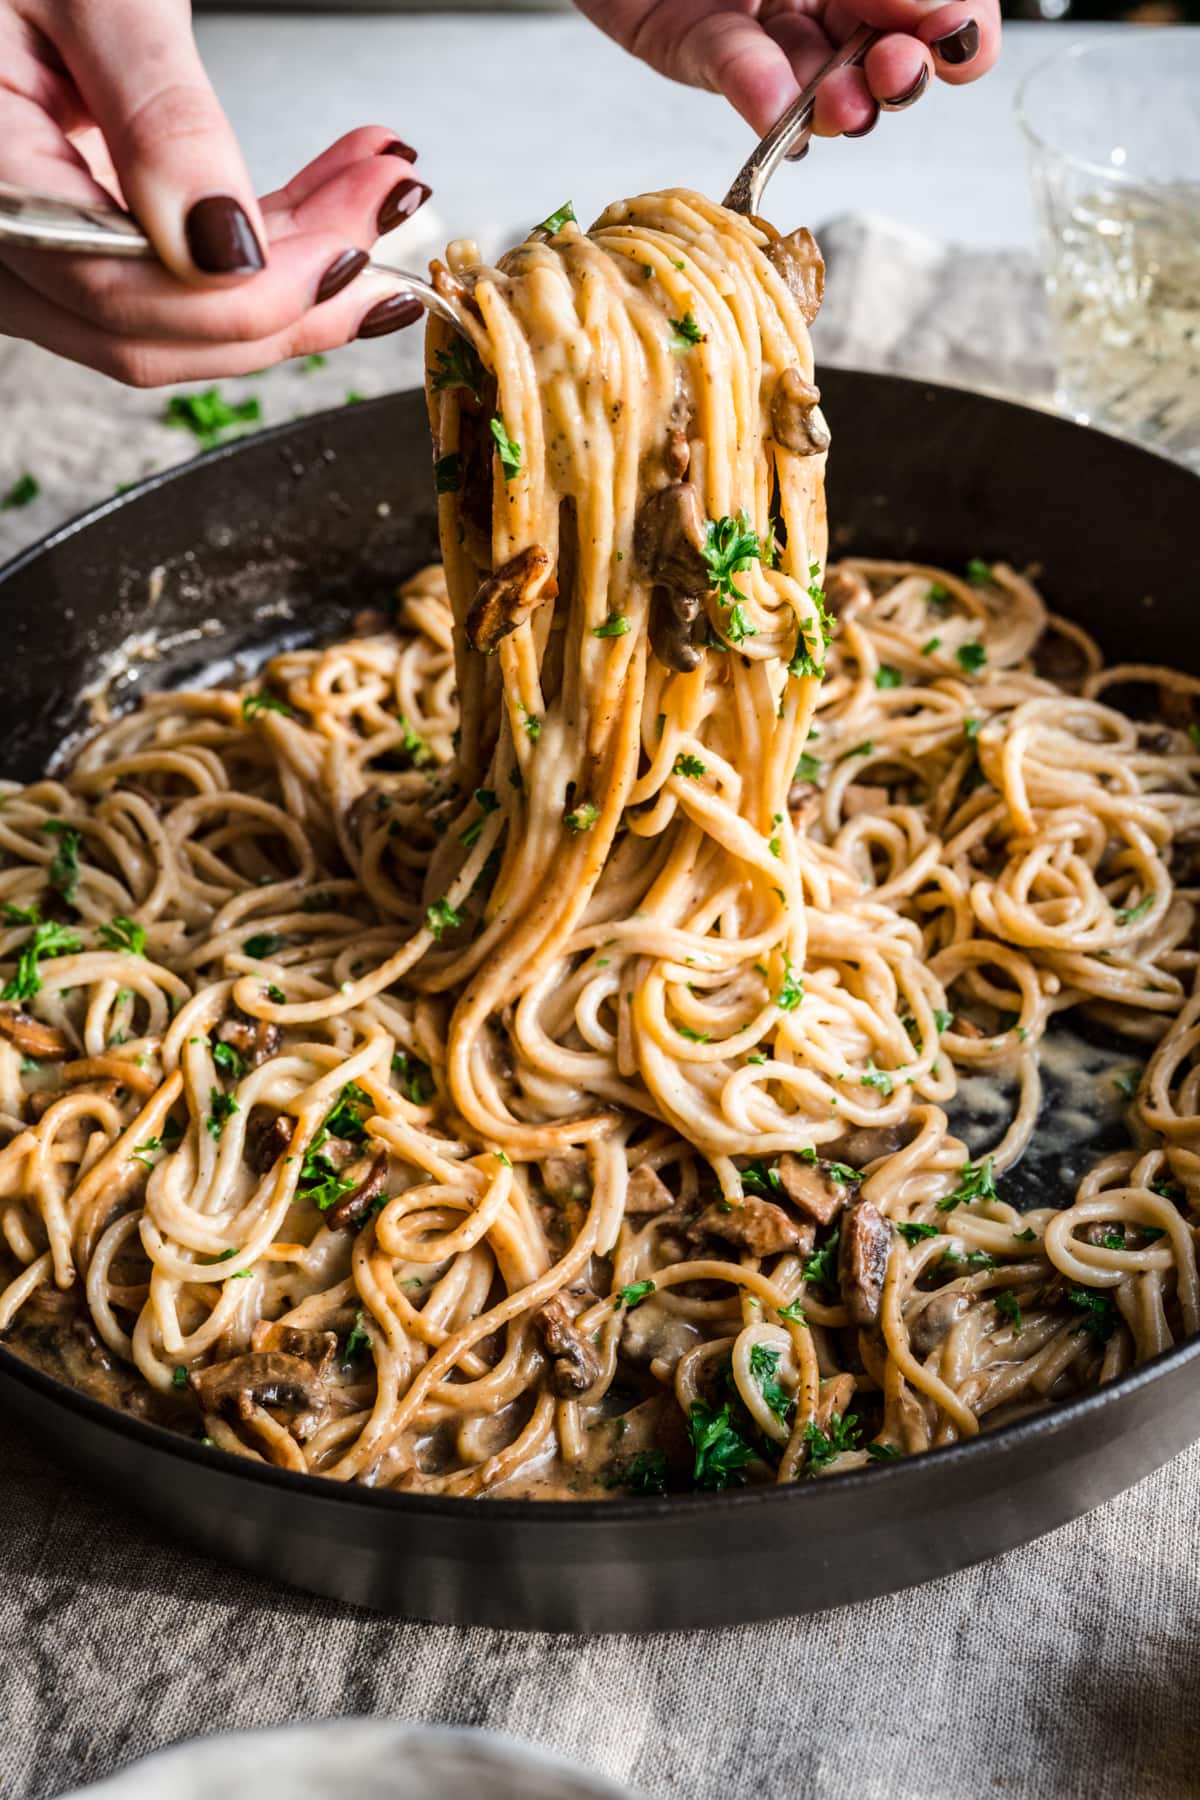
{"points": [[988, 1446]]}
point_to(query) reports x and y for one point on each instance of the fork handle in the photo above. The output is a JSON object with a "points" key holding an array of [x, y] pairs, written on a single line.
{"points": [[788, 137]]}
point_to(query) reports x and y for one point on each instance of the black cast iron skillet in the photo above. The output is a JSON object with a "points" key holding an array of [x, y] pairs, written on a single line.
{"points": [[281, 538]]}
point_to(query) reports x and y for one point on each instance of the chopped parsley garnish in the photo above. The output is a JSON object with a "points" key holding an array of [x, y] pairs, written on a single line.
{"points": [[447, 473], [731, 545], [866, 749], [263, 943], [276, 996], [972, 728], [807, 769], [209, 416], [792, 992], [737, 626], [721, 1453], [1166, 1188], [1028, 1236], [564, 216], [633, 1295], [684, 333], [228, 1060], [695, 1037], [532, 724], [646, 1472], [48, 940], [359, 1340], [441, 917], [882, 1452], [459, 366], [1193, 732], [764, 1369], [793, 1312], [1126, 1082], [979, 573], [686, 764], [180, 1378], [415, 1076], [24, 489], [971, 657], [122, 933], [935, 643], [616, 625], [823, 1446], [488, 803], [942, 1021], [1126, 915], [821, 1267], [877, 1078], [64, 870], [1009, 1308], [221, 1108], [977, 1182], [261, 702], [887, 677], [761, 1178], [582, 818], [345, 1120], [912, 1231], [973, 1259], [508, 452], [1099, 1319]]}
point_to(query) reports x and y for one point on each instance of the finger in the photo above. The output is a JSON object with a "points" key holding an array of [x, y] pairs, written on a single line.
{"points": [[898, 69], [733, 55], [844, 105], [360, 202], [35, 154], [24, 313], [355, 147], [144, 300], [177, 159]]}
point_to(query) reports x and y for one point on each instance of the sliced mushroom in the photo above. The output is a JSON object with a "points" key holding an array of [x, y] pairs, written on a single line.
{"points": [[317, 1348], [260, 1378], [867, 1143], [566, 1177], [40, 1102], [678, 453], [268, 1137], [669, 537], [575, 1364], [353, 1207], [678, 627], [756, 1225], [506, 599], [812, 1188], [846, 594], [863, 1251], [255, 1039], [796, 418], [646, 1194], [935, 1321], [803, 801], [859, 797], [30, 1036], [802, 267]]}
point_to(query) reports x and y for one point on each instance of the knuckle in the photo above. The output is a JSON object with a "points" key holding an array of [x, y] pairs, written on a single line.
{"points": [[180, 110], [132, 365]]}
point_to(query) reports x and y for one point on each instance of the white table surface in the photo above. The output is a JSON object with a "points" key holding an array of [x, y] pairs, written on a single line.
{"points": [[513, 114]]}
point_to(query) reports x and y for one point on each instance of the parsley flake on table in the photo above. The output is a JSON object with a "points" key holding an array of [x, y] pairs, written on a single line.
{"points": [[210, 417], [23, 491]]}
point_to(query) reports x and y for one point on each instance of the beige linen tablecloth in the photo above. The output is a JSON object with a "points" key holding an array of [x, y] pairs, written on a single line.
{"points": [[1068, 1669]]}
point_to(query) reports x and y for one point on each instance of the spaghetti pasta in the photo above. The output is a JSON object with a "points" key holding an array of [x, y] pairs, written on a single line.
{"points": [[509, 1050]]}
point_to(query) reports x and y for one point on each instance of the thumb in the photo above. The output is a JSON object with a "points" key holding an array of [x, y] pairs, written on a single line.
{"points": [[139, 72]]}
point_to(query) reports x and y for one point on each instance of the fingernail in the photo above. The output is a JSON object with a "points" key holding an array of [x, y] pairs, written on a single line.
{"points": [[957, 46], [401, 203], [340, 274], [401, 149], [221, 239], [390, 315], [910, 94], [798, 155], [867, 129]]}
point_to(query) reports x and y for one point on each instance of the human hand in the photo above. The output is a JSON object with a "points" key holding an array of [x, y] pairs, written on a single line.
{"points": [[760, 55], [107, 99]]}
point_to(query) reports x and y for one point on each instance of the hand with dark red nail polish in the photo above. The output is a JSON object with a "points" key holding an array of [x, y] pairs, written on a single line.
{"points": [[401, 149], [221, 239], [760, 57]]}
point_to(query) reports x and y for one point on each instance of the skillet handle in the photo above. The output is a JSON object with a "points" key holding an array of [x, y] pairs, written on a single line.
{"points": [[47, 222]]}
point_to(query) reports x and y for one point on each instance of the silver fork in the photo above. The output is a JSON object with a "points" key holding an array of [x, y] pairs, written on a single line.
{"points": [[43, 222]]}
